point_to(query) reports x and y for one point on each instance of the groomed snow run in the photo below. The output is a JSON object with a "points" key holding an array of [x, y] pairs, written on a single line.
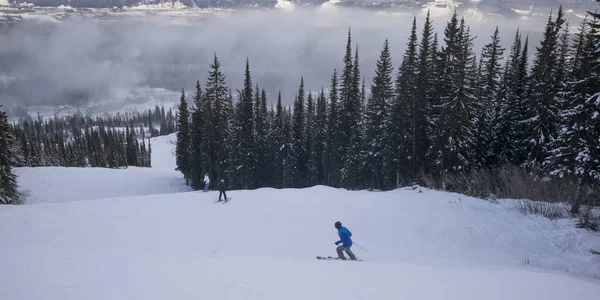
{"points": [[75, 242]]}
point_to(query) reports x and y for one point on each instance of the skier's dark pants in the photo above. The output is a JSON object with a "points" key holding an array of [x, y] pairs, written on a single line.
{"points": [[222, 193], [340, 251]]}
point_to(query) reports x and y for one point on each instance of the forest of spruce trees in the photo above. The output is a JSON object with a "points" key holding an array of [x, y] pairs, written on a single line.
{"points": [[448, 111], [448, 117]]}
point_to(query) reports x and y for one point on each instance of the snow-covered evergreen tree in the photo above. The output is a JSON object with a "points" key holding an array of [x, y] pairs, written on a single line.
{"points": [[542, 119], [311, 164], [198, 152], [319, 133], [243, 156], [9, 193], [456, 131], [488, 87], [425, 93], [334, 150], [182, 149], [502, 146], [299, 135], [218, 97], [382, 95], [576, 151]]}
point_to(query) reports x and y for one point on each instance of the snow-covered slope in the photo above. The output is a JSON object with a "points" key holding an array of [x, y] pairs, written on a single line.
{"points": [[261, 245], [56, 184]]}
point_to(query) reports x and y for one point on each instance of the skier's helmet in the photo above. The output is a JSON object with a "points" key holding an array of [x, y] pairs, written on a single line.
{"points": [[338, 225]]}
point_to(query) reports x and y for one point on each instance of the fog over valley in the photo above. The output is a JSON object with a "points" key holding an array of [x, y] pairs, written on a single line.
{"points": [[80, 61]]}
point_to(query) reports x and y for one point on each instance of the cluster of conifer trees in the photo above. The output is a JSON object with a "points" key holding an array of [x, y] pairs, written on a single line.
{"points": [[446, 109]]}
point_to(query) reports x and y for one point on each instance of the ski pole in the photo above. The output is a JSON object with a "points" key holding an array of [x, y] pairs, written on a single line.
{"points": [[361, 247]]}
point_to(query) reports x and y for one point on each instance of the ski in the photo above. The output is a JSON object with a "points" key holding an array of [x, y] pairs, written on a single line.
{"points": [[334, 258], [223, 201], [327, 258]]}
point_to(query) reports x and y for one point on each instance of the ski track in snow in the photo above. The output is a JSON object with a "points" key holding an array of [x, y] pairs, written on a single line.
{"points": [[138, 233]]}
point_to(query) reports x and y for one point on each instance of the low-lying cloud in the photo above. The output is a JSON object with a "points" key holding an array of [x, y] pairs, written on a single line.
{"points": [[97, 59]]}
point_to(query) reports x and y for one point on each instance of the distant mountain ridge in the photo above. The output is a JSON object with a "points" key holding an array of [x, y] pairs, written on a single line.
{"points": [[485, 5]]}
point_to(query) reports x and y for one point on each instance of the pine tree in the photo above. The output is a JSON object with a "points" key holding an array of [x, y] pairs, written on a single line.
{"points": [[425, 96], [182, 149], [382, 94], [455, 138], [502, 146], [299, 136], [244, 161], [198, 126], [542, 120], [405, 111], [218, 98], [311, 175], [489, 113], [334, 151], [320, 138], [9, 193], [521, 93], [346, 98], [576, 151], [261, 140], [353, 169], [291, 174], [280, 144]]}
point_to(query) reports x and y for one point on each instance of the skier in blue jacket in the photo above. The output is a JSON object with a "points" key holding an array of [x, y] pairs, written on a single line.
{"points": [[345, 240]]}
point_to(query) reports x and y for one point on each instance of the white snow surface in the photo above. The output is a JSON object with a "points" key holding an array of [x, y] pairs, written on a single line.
{"points": [[126, 234], [57, 184]]}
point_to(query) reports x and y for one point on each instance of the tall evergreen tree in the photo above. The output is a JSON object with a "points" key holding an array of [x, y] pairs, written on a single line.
{"points": [[406, 109], [198, 125], [542, 120], [346, 97], [424, 89], [334, 150], [299, 135], [218, 97], [244, 160], [502, 146], [576, 151], [382, 95], [455, 139], [320, 138], [311, 168], [280, 144], [9, 193], [261, 141], [353, 169], [489, 113], [291, 174], [183, 138]]}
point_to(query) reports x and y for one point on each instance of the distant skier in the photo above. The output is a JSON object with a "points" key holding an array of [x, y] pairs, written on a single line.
{"points": [[207, 180], [345, 240], [222, 189]]}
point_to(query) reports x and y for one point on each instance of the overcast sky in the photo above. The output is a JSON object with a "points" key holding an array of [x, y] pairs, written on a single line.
{"points": [[108, 58]]}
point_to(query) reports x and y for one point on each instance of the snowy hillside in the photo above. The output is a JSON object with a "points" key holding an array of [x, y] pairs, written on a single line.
{"points": [[57, 184], [155, 242]]}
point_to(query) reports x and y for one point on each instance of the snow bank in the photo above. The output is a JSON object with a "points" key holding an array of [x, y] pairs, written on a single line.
{"points": [[154, 243], [103, 275], [261, 245]]}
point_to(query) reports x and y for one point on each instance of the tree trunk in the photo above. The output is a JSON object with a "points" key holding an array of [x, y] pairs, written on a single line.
{"points": [[578, 196]]}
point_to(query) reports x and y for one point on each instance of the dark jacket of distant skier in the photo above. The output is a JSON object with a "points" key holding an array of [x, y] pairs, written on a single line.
{"points": [[221, 186], [345, 235]]}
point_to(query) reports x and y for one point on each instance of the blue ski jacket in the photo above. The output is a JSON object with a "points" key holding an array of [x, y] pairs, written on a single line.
{"points": [[345, 235]]}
